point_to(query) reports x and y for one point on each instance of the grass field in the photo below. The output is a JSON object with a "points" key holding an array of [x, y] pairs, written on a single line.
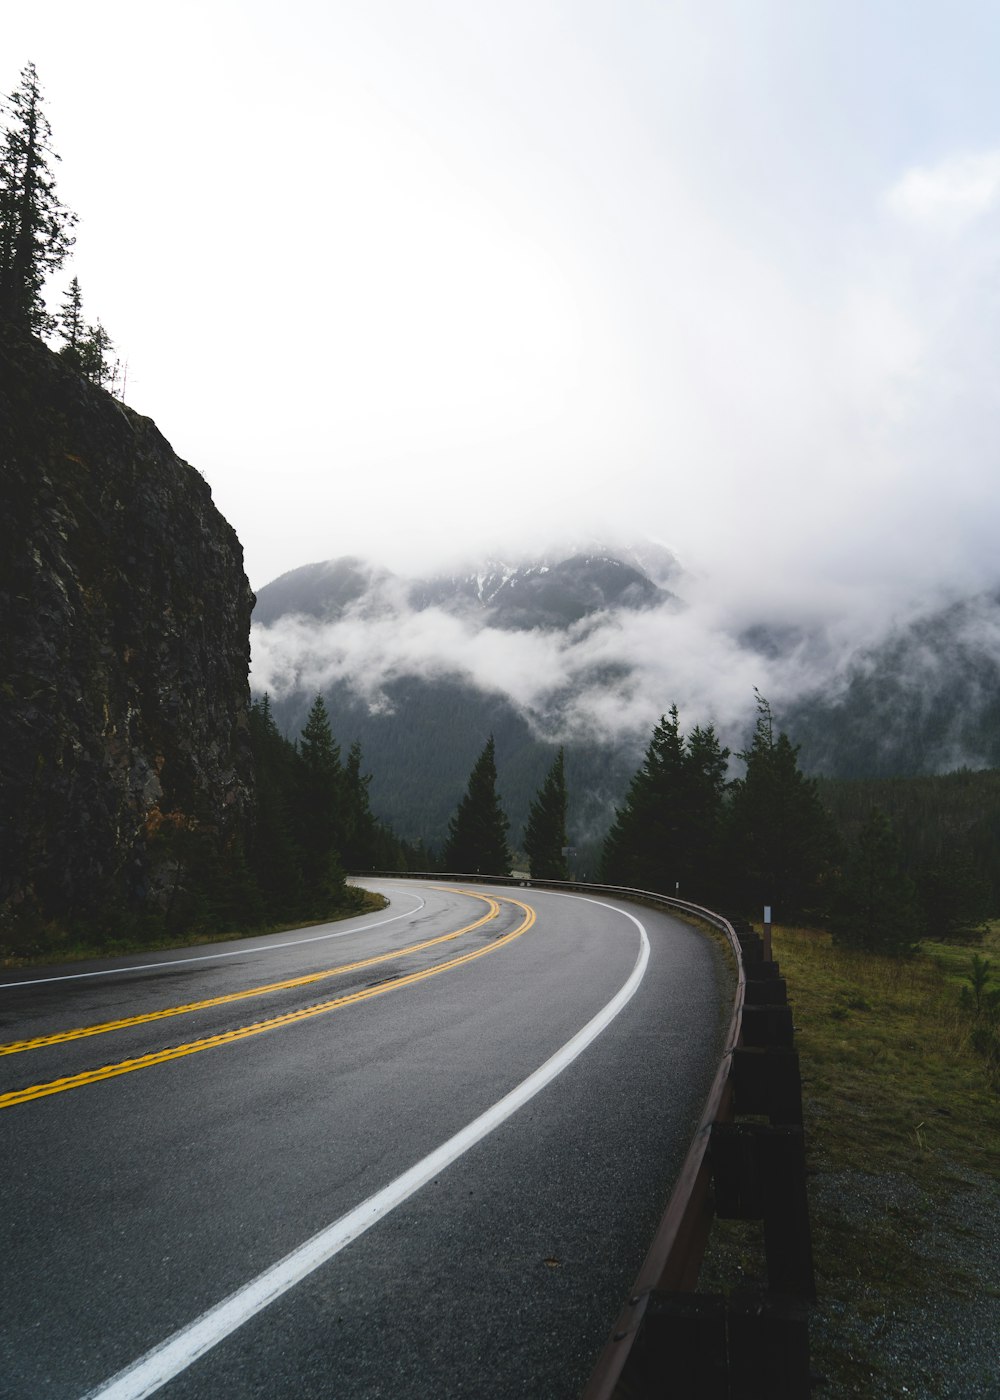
{"points": [[902, 1123]]}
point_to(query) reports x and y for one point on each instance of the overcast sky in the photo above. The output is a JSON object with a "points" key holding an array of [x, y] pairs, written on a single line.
{"points": [[411, 278]]}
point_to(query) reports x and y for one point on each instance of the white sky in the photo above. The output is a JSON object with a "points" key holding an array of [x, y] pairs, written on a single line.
{"points": [[406, 278]]}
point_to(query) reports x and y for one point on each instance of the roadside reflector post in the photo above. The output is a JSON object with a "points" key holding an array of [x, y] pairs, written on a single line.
{"points": [[767, 933]]}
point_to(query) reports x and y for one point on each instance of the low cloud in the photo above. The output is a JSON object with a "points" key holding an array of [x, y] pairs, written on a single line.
{"points": [[608, 677]]}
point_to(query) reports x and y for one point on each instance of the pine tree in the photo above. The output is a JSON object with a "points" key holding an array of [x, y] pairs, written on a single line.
{"points": [[94, 353], [545, 833], [876, 906], [955, 895], [477, 833], [34, 226], [641, 848], [70, 323], [318, 814], [781, 842], [360, 841], [275, 858], [705, 769], [666, 835]]}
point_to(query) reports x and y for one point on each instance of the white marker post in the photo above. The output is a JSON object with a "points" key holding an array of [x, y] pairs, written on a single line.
{"points": [[767, 933]]}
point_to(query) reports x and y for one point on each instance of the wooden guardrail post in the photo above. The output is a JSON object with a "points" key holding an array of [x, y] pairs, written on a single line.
{"points": [[768, 1347], [766, 1082], [759, 1173], [682, 1350]]}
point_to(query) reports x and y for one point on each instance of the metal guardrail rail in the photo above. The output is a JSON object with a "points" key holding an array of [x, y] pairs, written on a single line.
{"points": [[752, 1344]]}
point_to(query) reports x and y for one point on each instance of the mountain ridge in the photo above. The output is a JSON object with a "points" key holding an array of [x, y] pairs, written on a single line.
{"points": [[586, 649]]}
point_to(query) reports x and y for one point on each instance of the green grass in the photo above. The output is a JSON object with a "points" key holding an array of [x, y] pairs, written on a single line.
{"points": [[888, 1066], [954, 959], [901, 1120]]}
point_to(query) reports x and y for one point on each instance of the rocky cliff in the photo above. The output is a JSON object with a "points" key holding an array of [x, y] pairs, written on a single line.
{"points": [[124, 625]]}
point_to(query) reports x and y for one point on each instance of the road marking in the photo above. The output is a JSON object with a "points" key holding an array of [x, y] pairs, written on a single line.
{"points": [[160, 1365], [176, 1052], [17, 1047], [230, 953]]}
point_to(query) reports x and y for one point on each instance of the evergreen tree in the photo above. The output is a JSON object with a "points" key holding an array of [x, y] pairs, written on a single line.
{"points": [[955, 896], [94, 357], [640, 850], [318, 813], [705, 768], [275, 858], [477, 833], [876, 905], [88, 348], [71, 324], [34, 226], [360, 839], [545, 833], [782, 844], [666, 835]]}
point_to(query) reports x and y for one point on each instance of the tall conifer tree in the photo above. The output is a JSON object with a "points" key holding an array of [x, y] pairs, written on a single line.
{"points": [[276, 859], [782, 844], [94, 357], [477, 833], [705, 769], [71, 324], [665, 835], [34, 225], [876, 906], [319, 813], [360, 841], [545, 833]]}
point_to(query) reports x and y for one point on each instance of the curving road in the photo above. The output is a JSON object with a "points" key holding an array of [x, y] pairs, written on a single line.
{"points": [[420, 1153]]}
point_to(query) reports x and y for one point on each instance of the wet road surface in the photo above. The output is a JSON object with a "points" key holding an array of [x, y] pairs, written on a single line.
{"points": [[183, 1128]]}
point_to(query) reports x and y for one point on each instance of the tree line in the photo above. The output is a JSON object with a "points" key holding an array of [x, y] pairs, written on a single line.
{"points": [[36, 237], [766, 838], [477, 834], [771, 837], [314, 820]]}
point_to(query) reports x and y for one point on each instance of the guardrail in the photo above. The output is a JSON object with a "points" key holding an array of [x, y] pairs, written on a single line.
{"points": [[671, 1342]]}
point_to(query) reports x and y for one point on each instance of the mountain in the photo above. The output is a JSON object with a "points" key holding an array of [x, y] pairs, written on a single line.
{"points": [[519, 596], [319, 590], [542, 595], [422, 723], [124, 629], [587, 648], [924, 700]]}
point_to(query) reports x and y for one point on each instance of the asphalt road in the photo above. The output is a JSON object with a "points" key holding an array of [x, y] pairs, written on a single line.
{"points": [[155, 1169]]}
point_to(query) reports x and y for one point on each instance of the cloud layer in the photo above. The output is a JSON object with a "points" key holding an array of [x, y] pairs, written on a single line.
{"points": [[414, 281], [608, 677]]}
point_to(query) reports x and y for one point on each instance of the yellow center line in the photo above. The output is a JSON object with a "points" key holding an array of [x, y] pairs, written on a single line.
{"points": [[16, 1047], [176, 1052]]}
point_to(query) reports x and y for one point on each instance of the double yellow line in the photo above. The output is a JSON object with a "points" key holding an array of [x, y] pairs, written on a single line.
{"points": [[176, 1052]]}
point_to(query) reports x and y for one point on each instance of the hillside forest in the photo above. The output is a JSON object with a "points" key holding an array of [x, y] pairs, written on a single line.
{"points": [[882, 863]]}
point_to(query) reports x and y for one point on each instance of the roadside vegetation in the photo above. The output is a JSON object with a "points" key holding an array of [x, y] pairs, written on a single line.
{"points": [[901, 1098]]}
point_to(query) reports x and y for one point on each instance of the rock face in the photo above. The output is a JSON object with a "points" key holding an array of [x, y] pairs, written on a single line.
{"points": [[124, 627]]}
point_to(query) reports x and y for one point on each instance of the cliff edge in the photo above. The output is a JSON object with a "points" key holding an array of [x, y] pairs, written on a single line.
{"points": [[125, 763]]}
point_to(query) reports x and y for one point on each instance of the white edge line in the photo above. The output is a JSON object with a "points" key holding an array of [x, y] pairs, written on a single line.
{"points": [[231, 953], [145, 1376]]}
